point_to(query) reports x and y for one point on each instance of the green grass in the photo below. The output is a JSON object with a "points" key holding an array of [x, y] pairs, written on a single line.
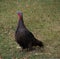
{"points": [[41, 17]]}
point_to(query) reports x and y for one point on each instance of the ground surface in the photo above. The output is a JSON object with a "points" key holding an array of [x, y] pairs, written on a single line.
{"points": [[41, 17]]}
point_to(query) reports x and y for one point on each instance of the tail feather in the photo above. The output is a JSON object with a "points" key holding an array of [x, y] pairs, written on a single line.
{"points": [[39, 43]]}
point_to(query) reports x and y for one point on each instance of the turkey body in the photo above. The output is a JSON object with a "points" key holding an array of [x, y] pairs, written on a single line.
{"points": [[24, 37]]}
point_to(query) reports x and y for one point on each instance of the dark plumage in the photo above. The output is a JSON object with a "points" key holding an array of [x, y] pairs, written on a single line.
{"points": [[24, 37]]}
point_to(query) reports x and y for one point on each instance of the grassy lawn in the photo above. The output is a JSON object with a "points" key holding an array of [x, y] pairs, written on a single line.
{"points": [[41, 17]]}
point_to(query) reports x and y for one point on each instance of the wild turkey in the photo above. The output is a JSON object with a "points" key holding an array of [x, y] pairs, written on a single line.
{"points": [[24, 37]]}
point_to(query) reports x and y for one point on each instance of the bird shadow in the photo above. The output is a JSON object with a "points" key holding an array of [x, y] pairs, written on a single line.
{"points": [[37, 49]]}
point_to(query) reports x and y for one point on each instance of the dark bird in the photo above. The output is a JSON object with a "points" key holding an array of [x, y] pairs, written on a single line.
{"points": [[23, 36]]}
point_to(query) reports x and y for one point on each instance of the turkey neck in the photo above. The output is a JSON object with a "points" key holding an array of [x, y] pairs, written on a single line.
{"points": [[21, 22]]}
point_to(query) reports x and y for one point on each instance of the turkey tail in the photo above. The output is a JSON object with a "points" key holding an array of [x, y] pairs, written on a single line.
{"points": [[39, 43]]}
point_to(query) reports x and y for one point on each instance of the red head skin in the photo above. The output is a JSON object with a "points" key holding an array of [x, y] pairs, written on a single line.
{"points": [[19, 16]]}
